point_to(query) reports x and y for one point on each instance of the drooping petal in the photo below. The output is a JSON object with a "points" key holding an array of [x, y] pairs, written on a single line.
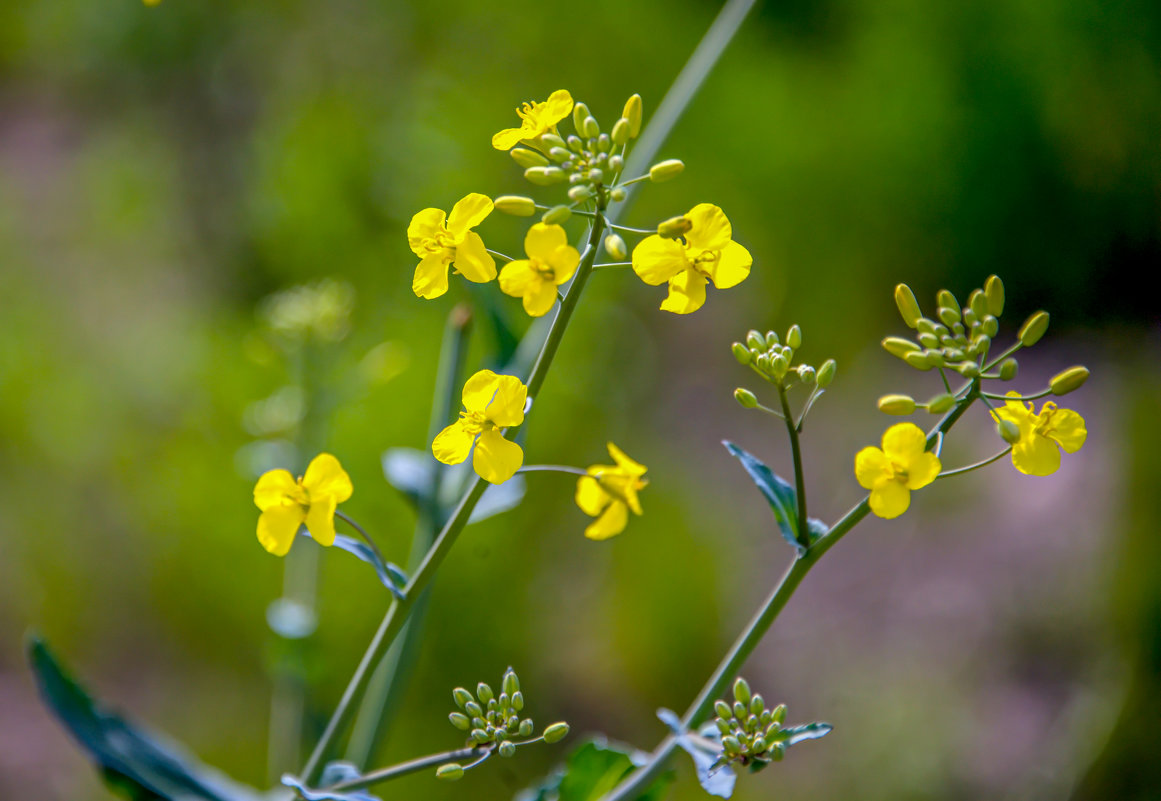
{"points": [[556, 108], [590, 497], [870, 466], [320, 521], [902, 442], [452, 445], [732, 266], [470, 211], [496, 459], [923, 470], [424, 225], [686, 293], [657, 259], [272, 489], [1036, 455], [710, 229], [479, 390], [473, 261], [539, 298], [890, 499], [507, 407], [508, 138], [542, 240], [325, 478], [517, 278], [277, 526], [1068, 430], [609, 524], [563, 261], [624, 462], [628, 487], [430, 279]]}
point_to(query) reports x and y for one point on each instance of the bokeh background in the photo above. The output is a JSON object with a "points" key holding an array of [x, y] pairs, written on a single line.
{"points": [[162, 170]]}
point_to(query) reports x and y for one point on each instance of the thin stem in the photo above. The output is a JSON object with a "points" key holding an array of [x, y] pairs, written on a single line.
{"points": [[402, 769], [552, 468], [362, 533], [612, 264], [799, 477], [498, 254], [1001, 357], [646, 231], [636, 180], [946, 383], [763, 408], [977, 465], [1037, 395]]}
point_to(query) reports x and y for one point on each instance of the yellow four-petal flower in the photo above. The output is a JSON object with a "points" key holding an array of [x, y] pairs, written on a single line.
{"points": [[903, 464], [707, 253], [535, 119], [608, 492], [1042, 436], [492, 402], [286, 504], [440, 240], [551, 261]]}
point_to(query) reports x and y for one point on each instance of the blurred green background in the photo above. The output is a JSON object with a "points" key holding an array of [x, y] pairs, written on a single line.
{"points": [[162, 170]]}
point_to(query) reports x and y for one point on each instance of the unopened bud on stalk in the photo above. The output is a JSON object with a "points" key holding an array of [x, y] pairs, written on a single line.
{"points": [[908, 306], [900, 347], [453, 771], [461, 722], [940, 403], [462, 697], [616, 164], [742, 693], [580, 112], [1069, 380], [968, 370], [918, 359], [794, 337], [741, 353], [990, 325], [507, 749], [674, 227], [1033, 328], [826, 373], [806, 373], [620, 132], [556, 732], [618, 193], [723, 710], [1008, 369], [615, 247], [526, 727], [556, 215], [754, 340], [579, 193], [994, 292], [1009, 431], [545, 176], [575, 144], [897, 404], [632, 113], [528, 158], [948, 315], [510, 683], [745, 398], [978, 302], [516, 205], [666, 170]]}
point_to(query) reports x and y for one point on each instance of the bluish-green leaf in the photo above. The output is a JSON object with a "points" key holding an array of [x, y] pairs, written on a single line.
{"points": [[391, 575], [333, 773], [715, 778], [591, 771], [792, 735], [138, 764], [778, 493], [410, 471]]}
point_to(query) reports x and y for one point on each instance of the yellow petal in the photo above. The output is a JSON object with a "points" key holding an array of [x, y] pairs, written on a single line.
{"points": [[325, 478], [1068, 430], [320, 521], [277, 527], [507, 406], [732, 266], [430, 279], [556, 108], [686, 293], [871, 466], [539, 298], [272, 488], [1036, 456], [657, 259], [922, 470], [624, 462], [609, 524], [890, 499], [710, 229], [496, 459], [542, 240], [451, 446], [902, 442], [473, 261], [479, 390], [424, 225], [564, 261], [469, 212], [508, 138], [591, 499], [518, 277]]}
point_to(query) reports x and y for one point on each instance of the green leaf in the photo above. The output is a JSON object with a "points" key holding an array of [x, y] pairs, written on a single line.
{"points": [[779, 494], [592, 770], [715, 778], [792, 735], [135, 763], [391, 575], [333, 773]]}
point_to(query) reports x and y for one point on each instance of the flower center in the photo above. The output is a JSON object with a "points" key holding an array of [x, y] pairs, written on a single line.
{"points": [[475, 422], [1044, 420], [299, 495], [704, 261], [443, 241], [527, 111], [897, 471]]}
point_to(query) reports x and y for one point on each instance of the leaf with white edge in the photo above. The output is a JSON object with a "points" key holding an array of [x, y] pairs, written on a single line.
{"points": [[333, 773], [591, 771], [715, 778], [778, 493], [792, 735], [391, 575]]}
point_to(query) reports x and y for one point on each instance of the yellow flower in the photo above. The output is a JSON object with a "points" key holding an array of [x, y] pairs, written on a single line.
{"points": [[535, 119], [440, 239], [286, 504], [551, 261], [901, 466], [1042, 436], [493, 402], [706, 254], [608, 492]]}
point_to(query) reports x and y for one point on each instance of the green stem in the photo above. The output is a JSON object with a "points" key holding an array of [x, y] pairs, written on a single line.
{"points": [[1001, 357], [362, 533], [976, 465], [994, 396], [402, 769], [552, 468], [635, 783], [799, 477]]}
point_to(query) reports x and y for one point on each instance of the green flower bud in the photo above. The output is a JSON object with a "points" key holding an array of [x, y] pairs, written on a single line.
{"points": [[596, 176], [723, 725], [551, 140], [780, 714], [604, 143], [741, 353], [723, 710], [739, 710], [754, 340], [545, 176], [462, 697], [806, 374], [900, 347], [925, 326], [777, 752], [484, 692], [990, 325], [778, 366], [918, 359], [897, 404], [575, 144], [479, 736], [968, 370], [616, 164], [450, 772], [615, 247], [461, 722], [948, 315], [632, 113], [1033, 328], [479, 723], [731, 745], [517, 700], [908, 305], [674, 227], [994, 293], [666, 170], [745, 398], [1071, 379], [618, 193], [929, 340], [1008, 369], [580, 112], [507, 749], [492, 706], [590, 129], [1009, 431], [970, 319], [526, 727], [826, 373], [527, 158], [794, 337], [742, 692], [516, 205], [752, 724], [935, 358], [474, 709], [945, 299], [758, 746], [763, 362], [559, 154], [940, 403], [580, 193], [757, 704], [620, 132], [978, 302], [954, 355], [510, 683], [556, 732]]}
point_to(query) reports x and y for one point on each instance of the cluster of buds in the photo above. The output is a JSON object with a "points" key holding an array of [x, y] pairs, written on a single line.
{"points": [[751, 734], [774, 360], [321, 310], [493, 722]]}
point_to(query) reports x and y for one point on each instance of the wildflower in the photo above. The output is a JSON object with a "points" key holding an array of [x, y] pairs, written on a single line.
{"points": [[492, 402], [1042, 436], [551, 261], [902, 465], [286, 504], [608, 492], [535, 119], [707, 253], [440, 240]]}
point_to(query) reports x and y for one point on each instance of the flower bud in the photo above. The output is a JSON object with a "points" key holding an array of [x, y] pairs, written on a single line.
{"points": [[462, 697], [900, 347], [517, 700], [754, 340], [1009, 431], [739, 710], [994, 292], [620, 132], [1069, 380], [897, 404], [948, 315], [618, 193], [778, 366], [575, 144], [780, 714], [479, 736], [731, 745], [742, 693], [674, 227], [590, 129], [604, 143], [918, 359], [579, 193], [978, 302], [616, 164], [1033, 328], [632, 113], [556, 732], [925, 326], [741, 353], [545, 176], [758, 745], [615, 247], [763, 362], [596, 175], [474, 709], [510, 683], [806, 374], [557, 215], [929, 340], [484, 693], [968, 370], [507, 749], [723, 710], [794, 337], [452, 771], [940, 403], [1008, 369], [460, 721], [777, 752], [559, 154], [944, 299], [516, 205], [526, 728], [745, 398], [826, 373], [551, 140], [990, 325], [580, 112], [757, 704], [527, 158], [908, 306], [722, 725], [666, 170]]}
